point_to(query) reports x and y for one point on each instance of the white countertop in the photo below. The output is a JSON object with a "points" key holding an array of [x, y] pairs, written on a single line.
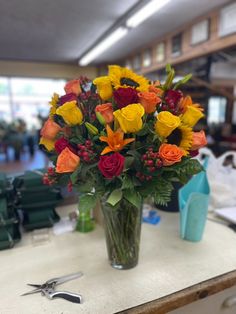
{"points": [[167, 264]]}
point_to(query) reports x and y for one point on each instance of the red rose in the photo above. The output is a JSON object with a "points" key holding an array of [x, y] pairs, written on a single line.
{"points": [[173, 97], [125, 96], [67, 98], [112, 165], [61, 144]]}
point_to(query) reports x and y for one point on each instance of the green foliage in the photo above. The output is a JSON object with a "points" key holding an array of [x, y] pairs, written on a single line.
{"points": [[162, 193], [184, 170], [183, 81], [87, 201], [74, 175]]}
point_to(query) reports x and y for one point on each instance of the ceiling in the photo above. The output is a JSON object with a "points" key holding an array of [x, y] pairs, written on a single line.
{"points": [[62, 30]]}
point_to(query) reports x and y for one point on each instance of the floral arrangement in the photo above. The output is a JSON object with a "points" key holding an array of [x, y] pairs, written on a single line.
{"points": [[123, 136]]}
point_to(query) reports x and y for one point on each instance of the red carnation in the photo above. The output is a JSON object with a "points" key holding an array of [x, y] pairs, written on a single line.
{"points": [[67, 98], [112, 165], [61, 144], [125, 96]]}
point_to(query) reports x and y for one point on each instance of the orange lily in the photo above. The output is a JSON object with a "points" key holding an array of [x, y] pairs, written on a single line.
{"points": [[115, 140], [186, 102]]}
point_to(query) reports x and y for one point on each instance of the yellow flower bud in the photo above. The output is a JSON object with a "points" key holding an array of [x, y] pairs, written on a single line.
{"points": [[166, 123], [91, 128], [70, 113]]}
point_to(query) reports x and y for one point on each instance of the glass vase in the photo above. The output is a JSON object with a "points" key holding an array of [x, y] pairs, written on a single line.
{"points": [[122, 224], [85, 220]]}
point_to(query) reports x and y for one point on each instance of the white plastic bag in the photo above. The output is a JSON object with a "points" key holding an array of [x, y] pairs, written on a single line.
{"points": [[222, 179]]}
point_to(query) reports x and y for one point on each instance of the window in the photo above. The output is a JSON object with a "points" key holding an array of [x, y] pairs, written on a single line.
{"points": [[147, 58], [137, 63], [27, 98], [228, 20], [177, 45], [200, 32], [216, 110], [160, 52]]}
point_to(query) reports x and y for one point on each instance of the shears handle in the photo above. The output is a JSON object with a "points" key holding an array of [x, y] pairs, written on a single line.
{"points": [[69, 296]]}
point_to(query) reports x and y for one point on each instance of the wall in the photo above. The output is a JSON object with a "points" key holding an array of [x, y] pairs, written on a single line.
{"points": [[46, 70]]}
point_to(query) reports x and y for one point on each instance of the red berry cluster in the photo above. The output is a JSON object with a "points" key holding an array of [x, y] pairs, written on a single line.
{"points": [[49, 177], [151, 160], [143, 177], [86, 153]]}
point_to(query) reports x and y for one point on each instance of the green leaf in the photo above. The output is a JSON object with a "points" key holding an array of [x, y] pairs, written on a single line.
{"points": [[128, 162], [127, 182], [168, 67], [87, 201], [74, 175], [114, 197], [183, 81], [169, 79], [85, 187], [162, 193], [133, 197], [143, 131], [86, 168]]}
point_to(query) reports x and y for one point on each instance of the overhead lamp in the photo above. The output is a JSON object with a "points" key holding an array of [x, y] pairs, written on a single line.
{"points": [[103, 45], [145, 12]]}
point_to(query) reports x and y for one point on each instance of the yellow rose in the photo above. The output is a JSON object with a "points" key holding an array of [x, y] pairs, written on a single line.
{"points": [[191, 116], [47, 143], [104, 87], [130, 118], [70, 112], [166, 123]]}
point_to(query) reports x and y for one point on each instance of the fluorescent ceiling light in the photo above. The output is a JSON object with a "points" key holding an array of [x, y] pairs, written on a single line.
{"points": [[146, 11], [103, 45]]}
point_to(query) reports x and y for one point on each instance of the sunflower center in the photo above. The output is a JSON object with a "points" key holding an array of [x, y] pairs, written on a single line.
{"points": [[175, 137], [129, 82]]}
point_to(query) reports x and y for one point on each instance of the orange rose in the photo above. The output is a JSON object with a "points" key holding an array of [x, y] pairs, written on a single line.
{"points": [[73, 87], [149, 100], [67, 161], [156, 89], [106, 111], [50, 129], [170, 154], [199, 140]]}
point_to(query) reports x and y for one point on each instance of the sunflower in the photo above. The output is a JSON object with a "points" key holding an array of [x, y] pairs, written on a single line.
{"points": [[182, 137], [123, 77]]}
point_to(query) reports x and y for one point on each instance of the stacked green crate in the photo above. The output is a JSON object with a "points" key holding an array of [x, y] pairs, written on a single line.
{"points": [[9, 222], [36, 200]]}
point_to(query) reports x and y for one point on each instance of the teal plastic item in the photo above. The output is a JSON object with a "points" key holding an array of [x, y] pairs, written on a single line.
{"points": [[193, 205]]}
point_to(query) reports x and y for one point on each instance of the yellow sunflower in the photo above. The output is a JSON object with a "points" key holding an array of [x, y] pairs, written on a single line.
{"points": [[123, 77], [53, 104], [182, 136]]}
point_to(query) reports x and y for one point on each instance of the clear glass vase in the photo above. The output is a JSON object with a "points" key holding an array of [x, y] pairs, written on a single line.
{"points": [[122, 224]]}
